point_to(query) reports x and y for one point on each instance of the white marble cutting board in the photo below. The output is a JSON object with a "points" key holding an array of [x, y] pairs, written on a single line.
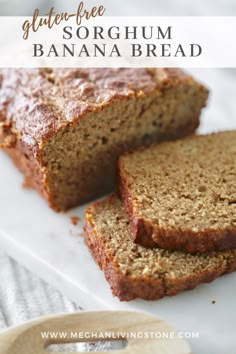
{"points": [[49, 245]]}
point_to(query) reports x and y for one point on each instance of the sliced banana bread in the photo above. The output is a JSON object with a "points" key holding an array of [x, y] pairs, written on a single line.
{"points": [[135, 271], [65, 128], [182, 195]]}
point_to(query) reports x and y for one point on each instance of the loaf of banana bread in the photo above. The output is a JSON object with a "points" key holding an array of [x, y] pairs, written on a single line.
{"points": [[182, 194], [64, 128], [149, 273]]}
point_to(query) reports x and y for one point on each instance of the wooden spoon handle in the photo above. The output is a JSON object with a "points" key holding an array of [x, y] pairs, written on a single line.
{"points": [[28, 339]]}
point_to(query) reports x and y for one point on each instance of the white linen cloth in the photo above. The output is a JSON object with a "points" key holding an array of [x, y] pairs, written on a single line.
{"points": [[23, 296]]}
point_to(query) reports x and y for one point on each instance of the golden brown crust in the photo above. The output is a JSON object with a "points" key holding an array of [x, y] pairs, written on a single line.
{"points": [[39, 102], [38, 105], [128, 287], [149, 235]]}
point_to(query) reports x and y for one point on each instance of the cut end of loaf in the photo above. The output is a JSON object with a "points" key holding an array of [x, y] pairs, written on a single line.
{"points": [[74, 123], [85, 153]]}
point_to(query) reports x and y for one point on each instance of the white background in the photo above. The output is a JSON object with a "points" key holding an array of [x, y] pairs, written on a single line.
{"points": [[213, 34], [128, 7]]}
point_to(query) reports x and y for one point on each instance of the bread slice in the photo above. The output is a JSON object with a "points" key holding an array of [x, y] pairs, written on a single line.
{"points": [[135, 271], [65, 128], [182, 195]]}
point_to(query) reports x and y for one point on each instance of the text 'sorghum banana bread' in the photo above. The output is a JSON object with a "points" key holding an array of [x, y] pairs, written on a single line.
{"points": [[182, 194], [149, 273], [64, 128]]}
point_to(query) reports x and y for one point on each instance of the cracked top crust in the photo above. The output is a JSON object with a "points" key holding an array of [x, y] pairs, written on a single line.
{"points": [[36, 103]]}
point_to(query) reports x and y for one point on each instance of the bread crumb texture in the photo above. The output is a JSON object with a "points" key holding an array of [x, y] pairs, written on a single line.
{"points": [[186, 188], [144, 272], [65, 128]]}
